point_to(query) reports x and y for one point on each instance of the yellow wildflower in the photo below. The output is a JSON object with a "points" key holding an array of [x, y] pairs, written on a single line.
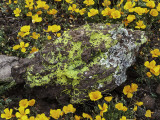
{"points": [[17, 11], [31, 118], [106, 11], [23, 103], [140, 25], [148, 113], [130, 18], [29, 4], [49, 37], [53, 28], [55, 113], [92, 12], [35, 18], [32, 101], [108, 98], [150, 65], [15, 1], [150, 4], [82, 11], [85, 115], [119, 106], [9, 2], [139, 10], [139, 103], [46, 7], [135, 108], [77, 117], [158, 7], [94, 96], [127, 91], [155, 70], [58, 34], [149, 74], [73, 8], [103, 109], [41, 4], [154, 12], [35, 35], [34, 49], [7, 113], [22, 114], [88, 2], [69, 1], [41, 117], [98, 117], [116, 14], [129, 5], [145, 0], [39, 12], [57, 0], [69, 109], [134, 87], [123, 118], [125, 108], [29, 14], [106, 3], [52, 12], [155, 53], [22, 46]]}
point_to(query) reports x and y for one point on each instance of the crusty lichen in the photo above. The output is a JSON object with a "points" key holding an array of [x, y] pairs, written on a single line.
{"points": [[85, 58]]}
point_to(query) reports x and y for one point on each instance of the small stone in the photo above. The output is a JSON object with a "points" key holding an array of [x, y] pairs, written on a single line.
{"points": [[158, 89], [148, 102]]}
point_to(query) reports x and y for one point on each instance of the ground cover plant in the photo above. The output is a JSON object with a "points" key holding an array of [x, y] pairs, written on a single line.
{"points": [[27, 25]]}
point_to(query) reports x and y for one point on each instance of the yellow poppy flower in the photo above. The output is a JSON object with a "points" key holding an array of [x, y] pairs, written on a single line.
{"points": [[139, 103], [23, 103], [150, 4], [150, 65], [77, 117], [148, 113], [149, 74], [154, 12], [69, 109], [52, 12], [140, 25], [35, 35], [94, 96], [155, 53], [106, 3], [103, 109], [85, 115], [108, 98], [135, 108], [69, 1], [88, 2], [17, 12], [116, 14], [92, 12], [123, 118], [55, 113], [7, 113], [119, 106]]}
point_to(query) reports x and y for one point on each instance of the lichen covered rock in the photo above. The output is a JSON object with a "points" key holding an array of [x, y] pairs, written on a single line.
{"points": [[84, 59]]}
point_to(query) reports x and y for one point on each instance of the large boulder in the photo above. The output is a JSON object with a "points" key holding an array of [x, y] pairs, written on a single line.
{"points": [[91, 57]]}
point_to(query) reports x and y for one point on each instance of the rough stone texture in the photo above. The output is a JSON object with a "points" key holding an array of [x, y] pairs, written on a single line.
{"points": [[91, 57], [148, 102], [6, 63]]}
